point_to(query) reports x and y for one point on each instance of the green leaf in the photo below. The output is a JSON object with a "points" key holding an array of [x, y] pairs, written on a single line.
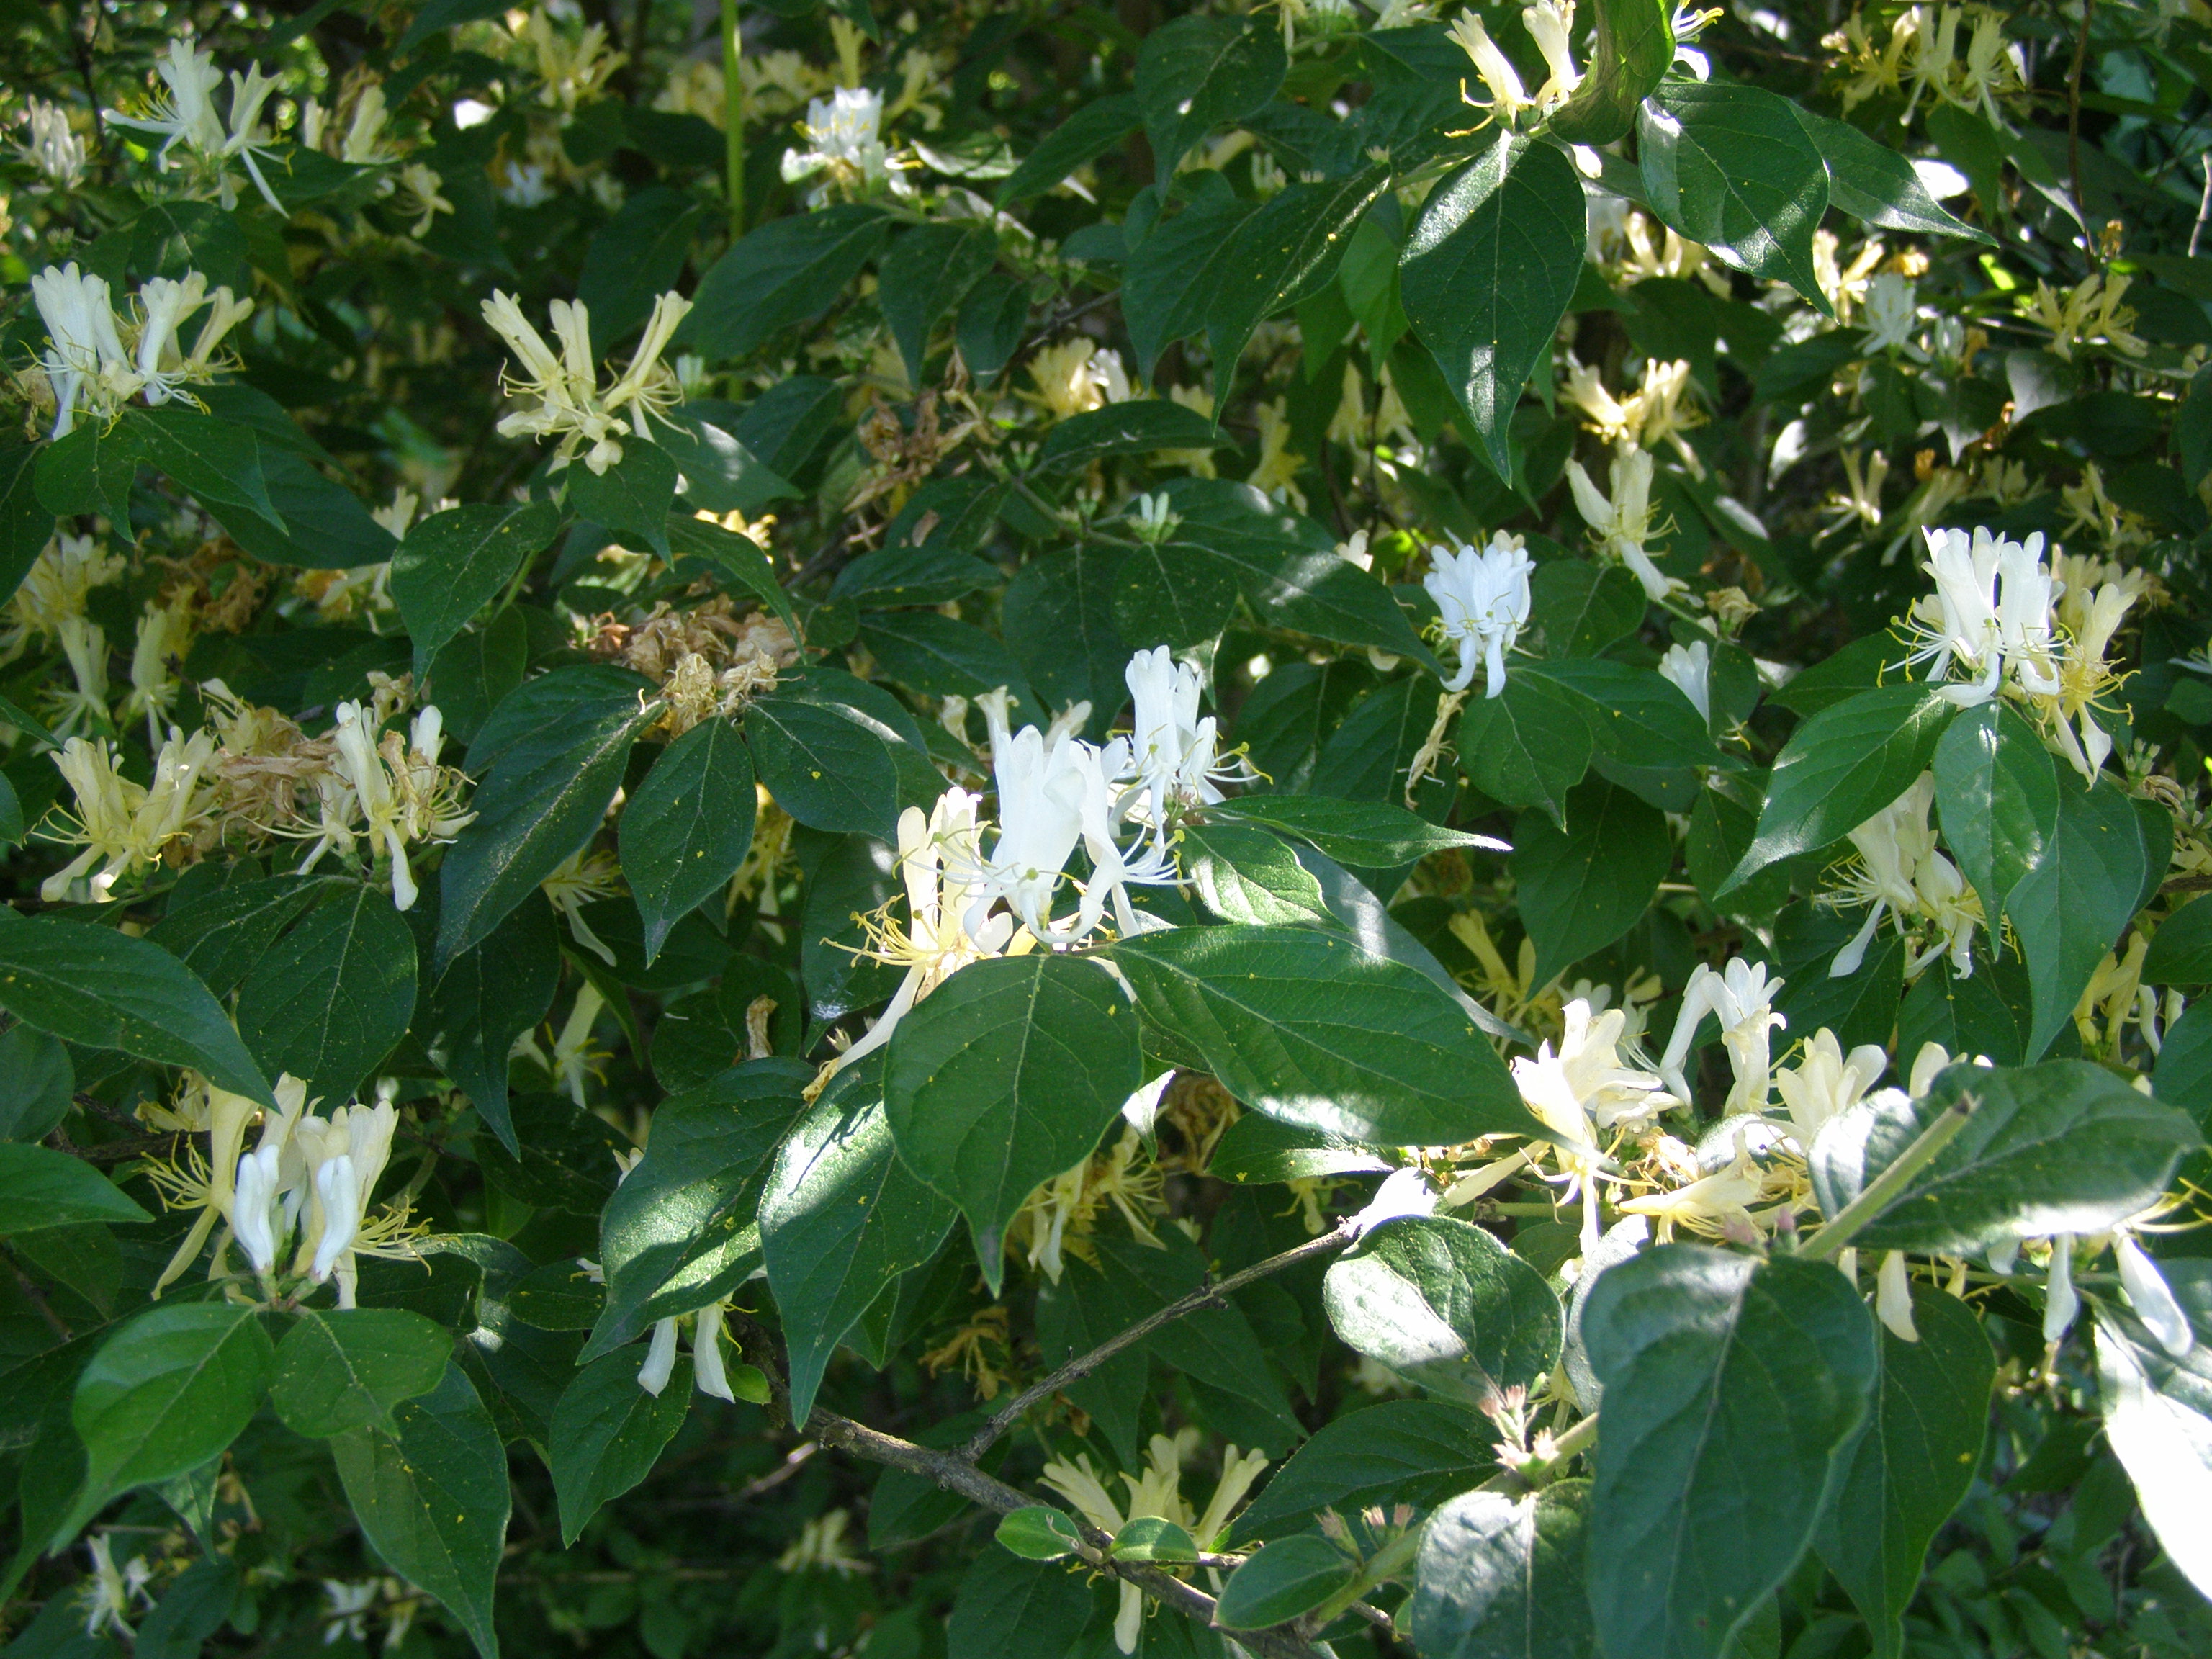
{"points": [[2063, 1147], [1174, 275], [942, 657], [40, 1187], [1038, 1532], [490, 995], [1369, 834], [331, 998], [222, 935], [689, 827], [324, 524], [1582, 608], [1445, 1305], [633, 258], [2181, 951], [106, 990], [1198, 73], [1290, 1577], [737, 556], [2157, 1417], [1169, 594], [635, 493], [1915, 1462], [1583, 887], [1007, 1605], [1285, 252], [432, 1499], [167, 1393], [346, 1369], [677, 1232], [453, 564], [720, 472], [1094, 128], [2069, 910], [1636, 716], [1147, 1538], [1258, 1149], [608, 1432], [1527, 746], [1840, 768], [1730, 166], [91, 471], [1996, 798], [1248, 875], [1311, 1030], [27, 524], [38, 1084], [784, 272], [1006, 1076], [925, 273], [1501, 1577], [1875, 185], [561, 745], [829, 765], [1137, 427], [1403, 1451], [1486, 276], [840, 1217], [1632, 51], [219, 463], [1733, 1390]]}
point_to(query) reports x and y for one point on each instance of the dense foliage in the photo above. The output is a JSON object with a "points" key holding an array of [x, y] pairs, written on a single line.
{"points": [[1048, 830]]}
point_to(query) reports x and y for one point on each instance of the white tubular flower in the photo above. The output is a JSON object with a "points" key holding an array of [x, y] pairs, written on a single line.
{"points": [[56, 152], [124, 826], [1620, 525], [87, 363], [338, 1197], [1689, 669], [2060, 1301], [1899, 874], [841, 135], [659, 1358], [109, 1592], [708, 1374], [187, 117], [1990, 611], [1584, 1085], [397, 787], [165, 634], [2151, 1297], [1892, 316], [574, 1058], [570, 406], [1484, 599], [1826, 1081], [1508, 97], [164, 304], [1892, 1297], [255, 1218], [1040, 796], [1171, 764], [1740, 998], [1547, 23]]}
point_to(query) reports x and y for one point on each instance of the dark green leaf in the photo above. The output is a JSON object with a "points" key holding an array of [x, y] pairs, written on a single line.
{"points": [[1039, 1533], [1198, 73], [37, 1083], [924, 274], [1259, 1149], [2063, 1147], [1636, 716], [1874, 183], [1286, 1578], [221, 936], [432, 1500], [1248, 875], [783, 272], [1095, 127], [40, 1187], [219, 463], [453, 564], [1486, 276], [1501, 1577], [1632, 51], [840, 1217], [829, 767], [2070, 908], [1006, 1076], [490, 995], [1308, 1028], [633, 258], [1582, 608], [1445, 1305], [608, 1432], [342, 1370], [331, 998], [1734, 1391], [1582, 888], [1996, 797], [1147, 1538], [635, 493], [1840, 768], [1729, 166], [688, 828], [1172, 594], [1007, 1605], [719, 471], [91, 471], [1369, 834], [27, 524], [107, 990], [562, 744], [1284, 253], [1135, 427], [1914, 1463], [1175, 275], [1527, 746], [1403, 1451], [2181, 951]]}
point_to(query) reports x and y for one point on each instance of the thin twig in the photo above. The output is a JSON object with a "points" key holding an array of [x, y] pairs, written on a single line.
{"points": [[37, 1298], [1330, 1241]]}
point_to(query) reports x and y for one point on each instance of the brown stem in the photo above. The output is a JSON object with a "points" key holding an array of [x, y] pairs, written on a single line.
{"points": [[1206, 1295], [37, 1298]]}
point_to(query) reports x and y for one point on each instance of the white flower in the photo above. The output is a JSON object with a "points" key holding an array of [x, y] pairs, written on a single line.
{"points": [[1484, 599], [254, 1218], [1621, 525], [124, 825], [397, 787], [1689, 668], [1583, 1085], [659, 1358], [708, 1374], [56, 152], [1740, 997], [570, 405], [1991, 613], [1826, 1081], [109, 1593], [1900, 874], [1171, 760], [187, 117], [1547, 23], [86, 358], [1892, 1299], [2151, 1297], [842, 139], [1892, 315]]}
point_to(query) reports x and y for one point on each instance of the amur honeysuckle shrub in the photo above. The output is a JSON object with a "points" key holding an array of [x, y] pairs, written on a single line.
{"points": [[1025, 830]]}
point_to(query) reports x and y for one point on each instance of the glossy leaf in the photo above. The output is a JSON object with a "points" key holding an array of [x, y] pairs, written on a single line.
{"points": [[1198, 73], [1996, 797], [346, 1369], [1444, 1304], [1528, 746], [1729, 166], [1501, 1577], [1372, 835], [689, 826], [608, 1432], [331, 998], [1290, 1577], [490, 995], [2069, 910], [167, 1391], [1582, 889], [1416, 1451], [453, 564], [40, 1187]]}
